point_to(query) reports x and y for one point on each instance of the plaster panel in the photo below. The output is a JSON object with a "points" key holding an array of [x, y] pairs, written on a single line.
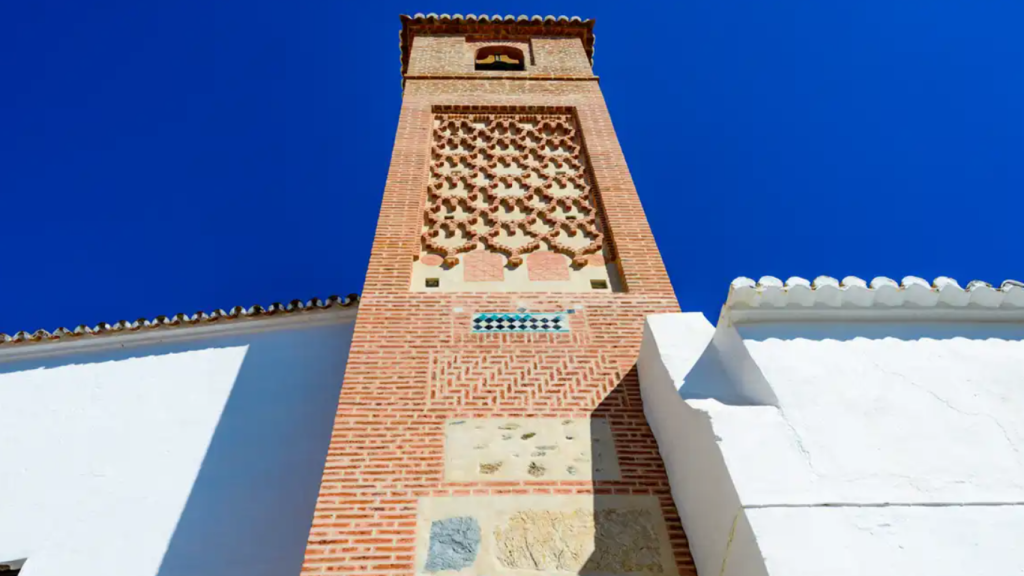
{"points": [[490, 449], [148, 459], [890, 540], [925, 413], [527, 535], [742, 555], [885, 449]]}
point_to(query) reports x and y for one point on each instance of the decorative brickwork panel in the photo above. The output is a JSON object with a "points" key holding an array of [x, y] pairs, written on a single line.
{"points": [[517, 185], [547, 266], [487, 323], [509, 184], [521, 377], [484, 267]]}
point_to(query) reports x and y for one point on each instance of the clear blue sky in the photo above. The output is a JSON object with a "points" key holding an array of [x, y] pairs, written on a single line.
{"points": [[162, 157]]}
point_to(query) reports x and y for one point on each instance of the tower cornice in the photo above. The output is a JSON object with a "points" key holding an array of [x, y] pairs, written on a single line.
{"points": [[494, 27]]}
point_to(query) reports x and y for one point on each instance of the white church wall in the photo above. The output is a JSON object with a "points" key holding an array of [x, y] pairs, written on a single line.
{"points": [[885, 442], [889, 540], [705, 497], [196, 454], [906, 413]]}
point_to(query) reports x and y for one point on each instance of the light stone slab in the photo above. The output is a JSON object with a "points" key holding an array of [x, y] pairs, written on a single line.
{"points": [[560, 535], [482, 449]]}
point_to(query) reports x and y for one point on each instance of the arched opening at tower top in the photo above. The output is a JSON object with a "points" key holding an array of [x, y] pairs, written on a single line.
{"points": [[500, 58]]}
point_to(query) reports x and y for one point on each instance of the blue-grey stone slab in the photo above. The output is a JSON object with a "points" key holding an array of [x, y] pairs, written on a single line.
{"points": [[454, 543]]}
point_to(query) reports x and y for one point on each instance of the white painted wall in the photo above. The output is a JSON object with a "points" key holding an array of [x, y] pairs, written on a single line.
{"points": [[866, 447], [192, 456]]}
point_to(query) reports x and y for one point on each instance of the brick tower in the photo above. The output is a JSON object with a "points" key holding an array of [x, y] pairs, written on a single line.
{"points": [[490, 418]]}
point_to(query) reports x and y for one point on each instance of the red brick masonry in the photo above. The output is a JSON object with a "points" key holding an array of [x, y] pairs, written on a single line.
{"points": [[547, 266], [484, 267], [414, 363]]}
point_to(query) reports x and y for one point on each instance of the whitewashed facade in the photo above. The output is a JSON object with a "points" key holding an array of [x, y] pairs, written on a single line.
{"points": [[841, 429], [827, 428], [190, 450]]}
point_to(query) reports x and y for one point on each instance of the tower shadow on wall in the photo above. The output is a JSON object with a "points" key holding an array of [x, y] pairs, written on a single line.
{"points": [[636, 526], [253, 499]]}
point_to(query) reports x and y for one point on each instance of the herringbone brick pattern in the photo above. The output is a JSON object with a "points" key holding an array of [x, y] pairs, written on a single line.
{"points": [[523, 377]]}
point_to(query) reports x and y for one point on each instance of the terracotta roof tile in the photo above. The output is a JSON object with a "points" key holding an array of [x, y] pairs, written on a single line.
{"points": [[179, 320], [853, 293]]}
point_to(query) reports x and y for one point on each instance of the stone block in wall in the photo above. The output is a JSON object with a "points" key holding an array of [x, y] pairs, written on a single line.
{"points": [[491, 449], [532, 534]]}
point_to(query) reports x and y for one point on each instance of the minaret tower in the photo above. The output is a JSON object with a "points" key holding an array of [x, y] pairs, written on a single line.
{"points": [[490, 419]]}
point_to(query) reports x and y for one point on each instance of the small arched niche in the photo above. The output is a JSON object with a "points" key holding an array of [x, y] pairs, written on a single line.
{"points": [[500, 58]]}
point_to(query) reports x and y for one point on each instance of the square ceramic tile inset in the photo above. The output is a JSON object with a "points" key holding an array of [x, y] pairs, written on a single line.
{"points": [[537, 322]]}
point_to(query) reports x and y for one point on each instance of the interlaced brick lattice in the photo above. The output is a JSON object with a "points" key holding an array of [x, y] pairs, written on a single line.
{"points": [[510, 184]]}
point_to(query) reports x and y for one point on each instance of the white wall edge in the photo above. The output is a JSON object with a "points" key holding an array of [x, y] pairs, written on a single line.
{"points": [[145, 336], [698, 478]]}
